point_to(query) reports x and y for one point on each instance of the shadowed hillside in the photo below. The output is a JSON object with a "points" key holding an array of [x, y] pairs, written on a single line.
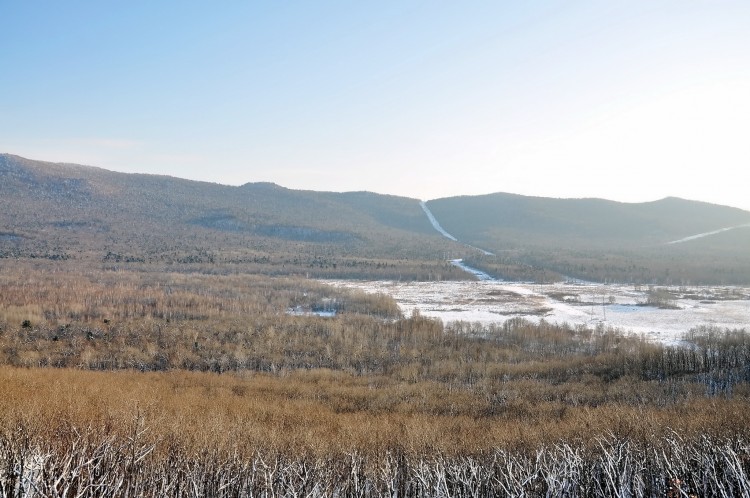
{"points": [[61, 211]]}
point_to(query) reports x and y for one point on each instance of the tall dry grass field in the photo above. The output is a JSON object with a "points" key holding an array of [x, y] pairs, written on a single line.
{"points": [[125, 432]]}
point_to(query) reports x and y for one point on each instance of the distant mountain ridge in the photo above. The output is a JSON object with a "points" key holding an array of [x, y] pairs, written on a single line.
{"points": [[64, 211], [152, 196], [546, 239], [490, 220]]}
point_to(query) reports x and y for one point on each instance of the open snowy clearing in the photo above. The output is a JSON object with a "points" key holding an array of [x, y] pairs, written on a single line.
{"points": [[619, 306]]}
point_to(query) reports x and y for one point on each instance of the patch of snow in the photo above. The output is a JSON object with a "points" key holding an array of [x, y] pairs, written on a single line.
{"points": [[299, 311], [618, 306]]}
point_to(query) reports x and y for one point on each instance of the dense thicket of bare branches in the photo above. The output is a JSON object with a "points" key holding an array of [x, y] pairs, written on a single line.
{"points": [[89, 465]]}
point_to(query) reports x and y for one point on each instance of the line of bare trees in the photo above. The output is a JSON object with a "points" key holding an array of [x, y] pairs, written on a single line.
{"points": [[86, 465]]}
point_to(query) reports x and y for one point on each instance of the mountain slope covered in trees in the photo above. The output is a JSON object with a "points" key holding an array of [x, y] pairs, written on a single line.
{"points": [[62, 211], [540, 238], [70, 212], [494, 220]]}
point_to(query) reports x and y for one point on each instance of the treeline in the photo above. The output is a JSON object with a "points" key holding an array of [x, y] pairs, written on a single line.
{"points": [[283, 261], [662, 265], [282, 258], [511, 266]]}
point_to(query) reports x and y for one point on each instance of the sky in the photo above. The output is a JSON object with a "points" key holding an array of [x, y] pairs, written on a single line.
{"points": [[626, 100]]}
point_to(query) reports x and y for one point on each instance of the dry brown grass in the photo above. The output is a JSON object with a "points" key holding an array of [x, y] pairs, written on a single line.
{"points": [[112, 433], [327, 413]]}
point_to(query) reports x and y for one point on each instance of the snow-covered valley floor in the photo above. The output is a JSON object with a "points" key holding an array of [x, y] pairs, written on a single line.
{"points": [[619, 306]]}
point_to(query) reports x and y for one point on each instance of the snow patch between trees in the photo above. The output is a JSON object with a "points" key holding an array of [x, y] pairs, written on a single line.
{"points": [[624, 307]]}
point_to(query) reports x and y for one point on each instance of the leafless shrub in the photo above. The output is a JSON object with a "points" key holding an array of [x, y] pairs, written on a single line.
{"points": [[88, 466]]}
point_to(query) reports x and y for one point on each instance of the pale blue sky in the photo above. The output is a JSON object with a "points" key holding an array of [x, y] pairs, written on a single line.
{"points": [[626, 100]]}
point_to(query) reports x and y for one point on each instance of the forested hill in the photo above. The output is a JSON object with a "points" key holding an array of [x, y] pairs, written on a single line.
{"points": [[493, 220], [64, 211], [52, 211], [594, 239]]}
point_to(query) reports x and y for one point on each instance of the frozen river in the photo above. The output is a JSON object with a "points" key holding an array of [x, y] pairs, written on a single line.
{"points": [[620, 306]]}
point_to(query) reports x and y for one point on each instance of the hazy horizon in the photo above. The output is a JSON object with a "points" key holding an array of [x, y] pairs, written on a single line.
{"points": [[371, 191], [628, 102]]}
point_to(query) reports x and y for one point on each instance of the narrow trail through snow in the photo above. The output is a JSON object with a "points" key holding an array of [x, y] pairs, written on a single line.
{"points": [[434, 221], [436, 226], [707, 234], [482, 276]]}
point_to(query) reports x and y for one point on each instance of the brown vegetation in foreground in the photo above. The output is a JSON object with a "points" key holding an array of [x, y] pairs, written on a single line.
{"points": [[211, 388], [320, 433]]}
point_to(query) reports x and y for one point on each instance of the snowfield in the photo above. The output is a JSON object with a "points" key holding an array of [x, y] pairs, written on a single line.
{"points": [[619, 306]]}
